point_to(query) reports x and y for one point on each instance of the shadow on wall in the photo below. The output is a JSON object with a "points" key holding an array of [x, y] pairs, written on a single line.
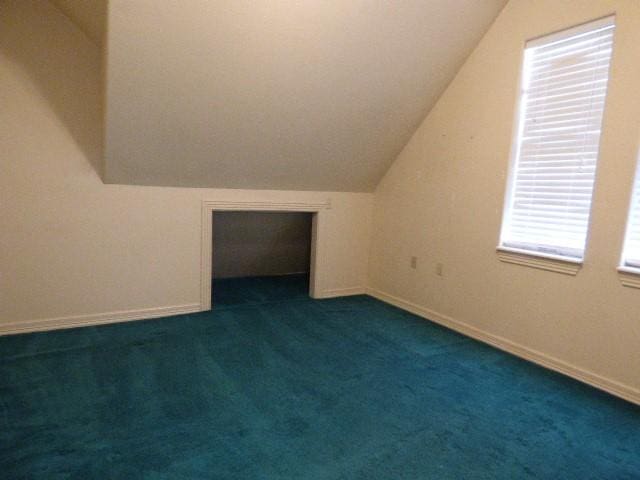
{"points": [[254, 244], [63, 64]]}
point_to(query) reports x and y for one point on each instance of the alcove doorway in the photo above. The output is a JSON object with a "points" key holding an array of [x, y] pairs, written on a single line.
{"points": [[260, 256]]}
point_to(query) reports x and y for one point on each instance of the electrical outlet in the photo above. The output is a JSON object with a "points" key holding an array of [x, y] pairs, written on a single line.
{"points": [[439, 269], [414, 262]]}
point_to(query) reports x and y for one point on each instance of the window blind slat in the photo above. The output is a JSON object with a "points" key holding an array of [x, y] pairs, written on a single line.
{"points": [[562, 103], [564, 127], [576, 40], [559, 74], [563, 120], [585, 94], [582, 55], [601, 44], [526, 220], [550, 205], [535, 104], [576, 138], [557, 160], [575, 84], [566, 106], [564, 146]]}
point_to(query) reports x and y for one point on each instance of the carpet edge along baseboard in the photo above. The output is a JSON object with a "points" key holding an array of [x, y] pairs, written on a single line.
{"points": [[88, 320], [613, 387]]}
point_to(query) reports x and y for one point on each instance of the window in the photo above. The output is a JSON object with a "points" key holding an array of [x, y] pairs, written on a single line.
{"points": [[631, 251], [564, 84]]}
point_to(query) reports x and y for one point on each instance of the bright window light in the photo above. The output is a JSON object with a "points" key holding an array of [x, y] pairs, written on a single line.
{"points": [[555, 151], [631, 251]]}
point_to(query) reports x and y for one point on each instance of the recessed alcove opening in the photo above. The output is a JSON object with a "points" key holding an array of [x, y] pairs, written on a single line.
{"points": [[260, 256]]}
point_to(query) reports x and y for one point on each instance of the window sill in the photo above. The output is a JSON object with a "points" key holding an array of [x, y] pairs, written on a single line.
{"points": [[629, 277], [540, 261]]}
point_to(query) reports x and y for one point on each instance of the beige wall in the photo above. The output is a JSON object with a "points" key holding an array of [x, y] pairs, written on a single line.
{"points": [[253, 244], [89, 15], [276, 94], [442, 202], [72, 246]]}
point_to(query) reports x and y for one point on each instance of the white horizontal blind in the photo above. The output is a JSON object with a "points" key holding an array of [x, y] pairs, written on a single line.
{"points": [[562, 101], [631, 255]]}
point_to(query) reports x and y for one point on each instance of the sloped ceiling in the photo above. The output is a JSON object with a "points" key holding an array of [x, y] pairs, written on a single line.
{"points": [[276, 94], [89, 15]]}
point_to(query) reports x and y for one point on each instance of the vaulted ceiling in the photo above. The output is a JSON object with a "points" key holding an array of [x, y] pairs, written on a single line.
{"points": [[273, 94]]}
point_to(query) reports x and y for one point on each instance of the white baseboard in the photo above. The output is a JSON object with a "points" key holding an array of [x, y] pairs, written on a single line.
{"points": [[613, 387], [96, 319], [342, 292]]}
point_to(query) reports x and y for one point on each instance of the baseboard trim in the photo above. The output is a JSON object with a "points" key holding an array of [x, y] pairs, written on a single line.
{"points": [[613, 387], [342, 292], [96, 319]]}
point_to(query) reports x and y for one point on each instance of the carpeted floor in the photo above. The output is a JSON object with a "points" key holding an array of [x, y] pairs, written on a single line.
{"points": [[274, 385]]}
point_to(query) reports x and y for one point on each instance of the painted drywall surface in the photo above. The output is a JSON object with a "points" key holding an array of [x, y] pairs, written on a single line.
{"points": [[276, 94], [252, 244], [442, 202], [89, 15], [70, 245]]}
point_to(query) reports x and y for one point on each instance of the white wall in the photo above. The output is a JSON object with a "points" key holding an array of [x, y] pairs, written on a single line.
{"points": [[442, 202], [71, 246], [253, 244]]}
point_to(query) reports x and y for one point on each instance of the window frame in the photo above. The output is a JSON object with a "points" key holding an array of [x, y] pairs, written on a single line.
{"points": [[512, 252], [630, 272]]}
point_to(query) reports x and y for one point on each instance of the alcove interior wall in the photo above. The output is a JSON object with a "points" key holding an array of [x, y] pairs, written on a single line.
{"points": [[256, 244]]}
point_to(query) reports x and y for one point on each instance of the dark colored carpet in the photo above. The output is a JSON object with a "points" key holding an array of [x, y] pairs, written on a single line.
{"points": [[273, 385]]}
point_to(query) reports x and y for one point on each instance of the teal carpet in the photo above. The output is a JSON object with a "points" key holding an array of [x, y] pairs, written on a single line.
{"points": [[273, 385]]}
